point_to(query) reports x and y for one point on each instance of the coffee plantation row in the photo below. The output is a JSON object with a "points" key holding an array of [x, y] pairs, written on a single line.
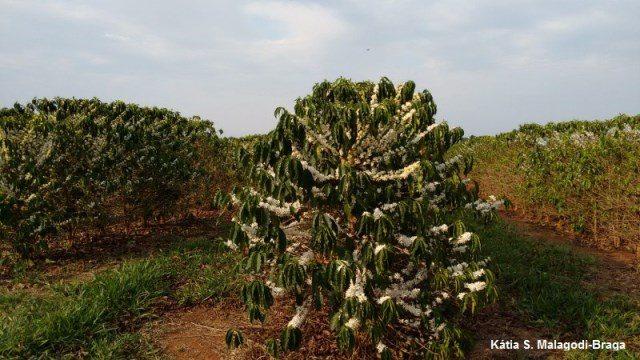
{"points": [[69, 164], [583, 176]]}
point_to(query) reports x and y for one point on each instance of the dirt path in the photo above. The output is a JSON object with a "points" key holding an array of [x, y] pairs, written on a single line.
{"points": [[199, 333], [616, 271]]}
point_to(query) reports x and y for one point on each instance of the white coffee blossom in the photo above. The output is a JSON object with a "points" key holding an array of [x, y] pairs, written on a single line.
{"points": [[463, 239], [476, 286], [306, 258], [379, 248], [353, 323]]}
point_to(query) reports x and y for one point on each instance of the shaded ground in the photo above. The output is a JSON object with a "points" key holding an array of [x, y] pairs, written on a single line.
{"points": [[181, 331], [84, 258], [494, 323], [199, 332]]}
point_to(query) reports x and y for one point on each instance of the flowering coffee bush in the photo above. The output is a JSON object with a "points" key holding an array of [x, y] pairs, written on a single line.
{"points": [[591, 179], [582, 176], [352, 208], [71, 162]]}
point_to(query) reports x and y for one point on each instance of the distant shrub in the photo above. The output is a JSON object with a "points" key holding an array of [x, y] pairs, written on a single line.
{"points": [[583, 174], [68, 163], [351, 206]]}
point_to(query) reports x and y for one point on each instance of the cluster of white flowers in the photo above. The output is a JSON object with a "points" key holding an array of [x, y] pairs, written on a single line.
{"points": [[231, 245], [436, 230], [356, 288], [458, 269], [412, 309], [463, 239], [322, 140], [251, 229], [476, 286], [454, 160], [485, 207], [275, 290], [625, 130], [542, 141], [317, 175], [306, 257], [401, 289], [374, 97], [301, 315], [377, 214], [389, 207], [484, 262], [395, 175], [379, 248], [409, 115], [584, 138], [353, 323], [424, 133], [460, 249], [405, 240], [432, 186], [318, 193], [279, 208]]}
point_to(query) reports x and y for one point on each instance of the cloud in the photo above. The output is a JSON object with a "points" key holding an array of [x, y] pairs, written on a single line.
{"points": [[307, 30], [490, 65], [135, 37]]}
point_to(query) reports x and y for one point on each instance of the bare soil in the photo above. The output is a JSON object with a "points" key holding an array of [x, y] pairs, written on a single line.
{"points": [[199, 333]]}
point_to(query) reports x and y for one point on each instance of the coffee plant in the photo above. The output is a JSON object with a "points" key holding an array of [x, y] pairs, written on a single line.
{"points": [[66, 163], [352, 209]]}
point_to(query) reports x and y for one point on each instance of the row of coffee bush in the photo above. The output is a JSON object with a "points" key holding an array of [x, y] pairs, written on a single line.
{"points": [[582, 176], [75, 164]]}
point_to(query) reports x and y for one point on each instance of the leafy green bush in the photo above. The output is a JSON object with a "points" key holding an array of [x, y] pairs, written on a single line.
{"points": [[67, 163], [351, 207]]}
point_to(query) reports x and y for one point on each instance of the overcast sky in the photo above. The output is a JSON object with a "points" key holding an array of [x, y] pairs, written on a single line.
{"points": [[491, 65]]}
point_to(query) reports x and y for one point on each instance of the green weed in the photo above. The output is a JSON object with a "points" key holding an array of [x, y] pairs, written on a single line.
{"points": [[98, 318]]}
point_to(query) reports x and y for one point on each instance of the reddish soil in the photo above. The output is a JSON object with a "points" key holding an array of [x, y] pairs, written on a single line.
{"points": [[199, 333]]}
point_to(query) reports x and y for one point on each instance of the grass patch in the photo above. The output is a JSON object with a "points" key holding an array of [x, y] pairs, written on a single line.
{"points": [[548, 285], [98, 318], [208, 271]]}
